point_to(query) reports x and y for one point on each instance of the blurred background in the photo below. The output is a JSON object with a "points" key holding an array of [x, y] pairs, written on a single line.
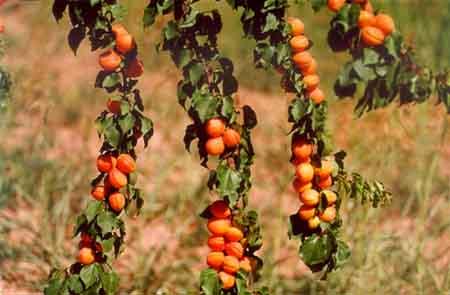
{"points": [[48, 145]]}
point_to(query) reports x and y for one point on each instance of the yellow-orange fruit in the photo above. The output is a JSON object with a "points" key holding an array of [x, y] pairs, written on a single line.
{"points": [[372, 36], [109, 60], [230, 264], [311, 69], [126, 163], [301, 148], [329, 214], [234, 234], [215, 259], [231, 138], [245, 264], [325, 183], [86, 256], [314, 222], [227, 280], [98, 192], [365, 19], [300, 186], [302, 60], [116, 201], [134, 68], [310, 197], [113, 106], [311, 82], [335, 5], [299, 43], [124, 43], [220, 209], [298, 161], [325, 169], [118, 29], [304, 172], [385, 23], [117, 178], [215, 146], [234, 249], [218, 226], [106, 163], [330, 196], [216, 243], [316, 95], [297, 26], [306, 212], [215, 127]]}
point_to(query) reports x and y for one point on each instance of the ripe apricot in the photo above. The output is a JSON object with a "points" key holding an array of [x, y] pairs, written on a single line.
{"points": [[300, 186], [108, 186], [316, 95], [330, 196], [310, 197], [299, 43], [234, 234], [227, 280], [118, 29], [335, 5], [302, 59], [304, 172], [297, 26], [231, 138], [230, 264], [113, 106], [325, 183], [106, 163], [134, 68], [117, 178], [306, 212], [311, 82], [109, 60], [126, 163], [116, 201], [372, 36], [329, 214], [216, 243], [314, 222], [215, 146], [234, 249], [218, 226], [220, 209], [311, 69], [365, 19], [302, 148], [98, 192], [124, 43], [325, 169], [298, 161], [215, 127], [86, 256], [215, 259], [385, 23], [245, 264]]}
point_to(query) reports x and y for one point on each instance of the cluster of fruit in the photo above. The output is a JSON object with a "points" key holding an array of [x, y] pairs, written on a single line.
{"points": [[90, 250], [312, 183], [220, 137], [124, 50], [227, 244], [304, 61], [336, 5], [375, 28]]}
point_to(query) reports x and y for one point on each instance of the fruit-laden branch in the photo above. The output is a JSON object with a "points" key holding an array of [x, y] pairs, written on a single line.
{"points": [[222, 130], [121, 126]]}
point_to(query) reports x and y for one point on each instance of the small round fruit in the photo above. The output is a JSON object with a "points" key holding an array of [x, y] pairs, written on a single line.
{"points": [[300, 187], [117, 178], [218, 226], [216, 243], [126, 163], [227, 280], [86, 238], [330, 196], [325, 183], [325, 170], [231, 138], [301, 148], [98, 192], [106, 163], [245, 264], [220, 209], [118, 29], [372, 36], [310, 197], [385, 23], [297, 26], [311, 82], [116, 202], [215, 127], [230, 264], [109, 60], [215, 259], [311, 69], [335, 5], [86, 256], [215, 146], [306, 212], [305, 172], [316, 95], [299, 43], [365, 19], [314, 222], [329, 214], [134, 68], [234, 249], [113, 106], [124, 43], [234, 234], [302, 59], [298, 161]]}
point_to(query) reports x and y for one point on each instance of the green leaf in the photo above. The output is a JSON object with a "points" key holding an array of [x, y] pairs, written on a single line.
{"points": [[75, 37], [127, 122], [250, 119], [204, 105], [89, 275], [318, 4], [149, 17], [316, 249], [75, 284], [229, 182], [195, 72], [93, 2], [106, 221], [110, 282], [341, 255], [112, 80], [271, 23], [209, 282], [93, 208]]}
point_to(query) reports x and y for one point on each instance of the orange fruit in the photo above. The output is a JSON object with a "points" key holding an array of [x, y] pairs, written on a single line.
{"points": [[301, 148], [234, 249], [215, 146], [325, 183], [86, 256], [220, 209], [365, 19], [227, 280], [306, 212], [113, 106], [118, 29], [325, 170], [372, 36], [234, 234], [126, 163], [299, 43], [2, 28], [117, 178], [305, 172], [86, 238], [245, 264], [109, 60], [124, 43], [335, 5], [314, 222], [218, 226], [330, 196], [134, 68], [98, 192], [216, 243], [316, 95], [311, 69], [298, 161], [300, 187], [367, 7], [302, 59], [297, 26], [116, 202], [329, 214], [215, 259], [231, 138], [311, 82], [105, 163], [310, 197], [230, 264], [215, 127], [385, 23]]}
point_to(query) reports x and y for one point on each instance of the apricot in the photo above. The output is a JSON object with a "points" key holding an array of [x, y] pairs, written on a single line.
{"points": [[118, 29], [311, 82], [216, 243], [215, 259], [314, 222], [215, 127], [230, 264], [234, 234], [124, 43], [302, 59], [298, 161], [306, 212], [113, 106], [116, 202], [335, 5], [234, 249], [231, 138], [302, 148], [245, 264], [215, 146], [126, 163], [324, 170], [98, 192], [330, 196], [117, 178], [301, 187], [365, 19], [372, 36], [305, 172], [325, 183], [329, 214], [297, 26], [218, 226], [299, 43], [311, 69], [109, 60], [385, 23], [106, 163], [220, 209], [85, 237], [86, 256], [227, 280], [310, 197], [316, 95], [134, 68]]}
